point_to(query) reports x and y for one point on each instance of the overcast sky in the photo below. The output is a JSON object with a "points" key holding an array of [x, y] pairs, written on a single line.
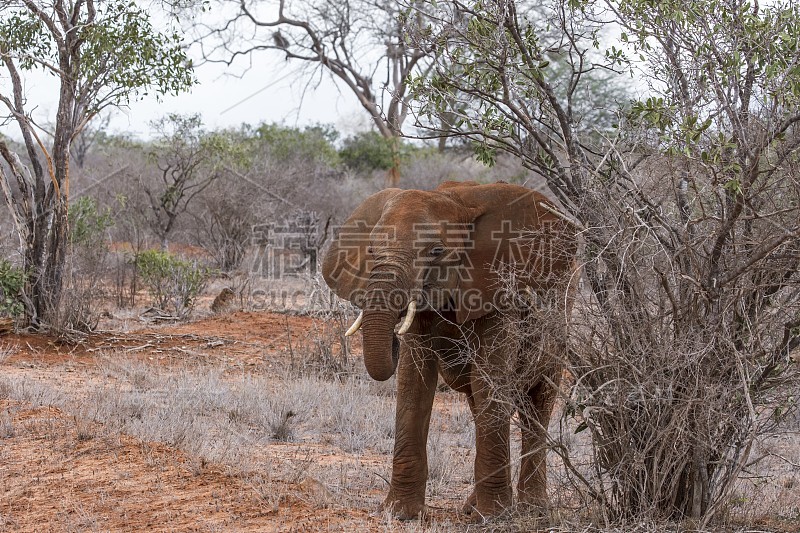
{"points": [[271, 90]]}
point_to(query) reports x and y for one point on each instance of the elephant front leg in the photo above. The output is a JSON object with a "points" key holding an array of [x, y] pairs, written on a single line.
{"points": [[492, 454], [416, 385]]}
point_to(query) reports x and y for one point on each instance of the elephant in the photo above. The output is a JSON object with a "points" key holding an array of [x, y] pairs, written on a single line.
{"points": [[433, 261]]}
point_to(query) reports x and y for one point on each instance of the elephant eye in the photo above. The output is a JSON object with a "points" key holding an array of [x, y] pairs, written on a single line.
{"points": [[436, 251]]}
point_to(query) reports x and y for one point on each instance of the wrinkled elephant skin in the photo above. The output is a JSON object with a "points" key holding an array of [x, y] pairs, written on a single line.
{"points": [[442, 251]]}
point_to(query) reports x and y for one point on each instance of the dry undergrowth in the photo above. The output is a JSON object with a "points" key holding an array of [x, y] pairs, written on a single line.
{"points": [[316, 442]]}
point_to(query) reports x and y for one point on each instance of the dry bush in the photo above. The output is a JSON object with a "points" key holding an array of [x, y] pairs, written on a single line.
{"points": [[680, 355], [322, 350], [33, 393], [83, 298], [429, 169], [6, 351], [224, 221], [677, 387], [675, 400], [87, 266], [7, 429], [6, 389], [687, 204]]}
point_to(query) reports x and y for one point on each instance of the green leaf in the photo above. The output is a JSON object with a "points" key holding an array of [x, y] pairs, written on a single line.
{"points": [[733, 186]]}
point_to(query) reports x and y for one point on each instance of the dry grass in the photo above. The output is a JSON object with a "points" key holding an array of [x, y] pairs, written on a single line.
{"points": [[280, 429], [330, 435], [307, 431]]}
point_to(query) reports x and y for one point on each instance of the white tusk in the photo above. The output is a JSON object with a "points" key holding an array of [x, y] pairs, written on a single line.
{"points": [[356, 325], [412, 308]]}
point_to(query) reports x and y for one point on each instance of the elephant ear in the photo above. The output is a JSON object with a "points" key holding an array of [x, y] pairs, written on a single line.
{"points": [[512, 233], [345, 265]]}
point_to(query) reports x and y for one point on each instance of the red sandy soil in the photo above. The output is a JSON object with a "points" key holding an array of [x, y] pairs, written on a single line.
{"points": [[58, 473], [55, 477], [250, 337]]}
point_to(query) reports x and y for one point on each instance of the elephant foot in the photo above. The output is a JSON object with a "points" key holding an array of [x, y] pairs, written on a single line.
{"points": [[469, 506], [405, 510], [478, 513], [534, 503]]}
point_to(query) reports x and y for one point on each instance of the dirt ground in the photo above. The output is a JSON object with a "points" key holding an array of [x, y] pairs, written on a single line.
{"points": [[54, 479], [64, 470], [62, 473]]}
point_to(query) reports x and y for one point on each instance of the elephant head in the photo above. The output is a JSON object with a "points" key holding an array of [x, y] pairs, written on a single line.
{"points": [[403, 251]]}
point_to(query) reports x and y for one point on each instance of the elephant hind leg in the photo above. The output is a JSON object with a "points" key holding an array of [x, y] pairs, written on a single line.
{"points": [[492, 453], [534, 418], [470, 506]]}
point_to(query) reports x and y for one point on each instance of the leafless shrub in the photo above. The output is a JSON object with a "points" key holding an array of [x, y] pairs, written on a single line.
{"points": [[85, 429], [224, 221], [80, 309], [129, 238], [282, 430], [138, 375], [675, 383], [7, 429], [657, 405], [6, 389], [323, 350], [86, 268], [34, 393], [124, 278], [6, 351]]}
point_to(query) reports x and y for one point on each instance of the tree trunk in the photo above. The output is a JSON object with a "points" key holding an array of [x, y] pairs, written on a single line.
{"points": [[393, 176], [45, 259], [46, 251]]}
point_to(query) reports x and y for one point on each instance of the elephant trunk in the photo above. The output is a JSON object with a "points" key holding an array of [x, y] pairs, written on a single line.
{"points": [[383, 303], [381, 346]]}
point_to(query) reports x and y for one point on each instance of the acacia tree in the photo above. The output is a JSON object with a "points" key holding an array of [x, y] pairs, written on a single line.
{"points": [[689, 207], [102, 54], [189, 159], [359, 43]]}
